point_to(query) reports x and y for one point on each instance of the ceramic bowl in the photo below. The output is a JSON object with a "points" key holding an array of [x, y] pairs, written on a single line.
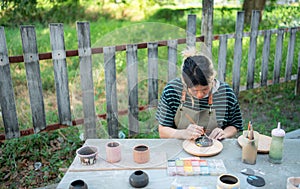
{"points": [[228, 181], [138, 179], [204, 141], [293, 183], [78, 184], [87, 154]]}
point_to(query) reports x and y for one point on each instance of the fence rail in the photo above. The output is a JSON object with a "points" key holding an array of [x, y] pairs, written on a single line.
{"points": [[31, 58]]}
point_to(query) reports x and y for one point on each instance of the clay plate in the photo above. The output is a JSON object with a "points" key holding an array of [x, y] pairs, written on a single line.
{"points": [[264, 142], [190, 147]]}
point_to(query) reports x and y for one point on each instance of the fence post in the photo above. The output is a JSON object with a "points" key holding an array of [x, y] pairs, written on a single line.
{"points": [[8, 107], [207, 22], [297, 88], [152, 74], [132, 74], [290, 54], [222, 57], [172, 59], [60, 73], [278, 56], [111, 91], [191, 31], [265, 58], [237, 59], [33, 76], [86, 78], [252, 48]]}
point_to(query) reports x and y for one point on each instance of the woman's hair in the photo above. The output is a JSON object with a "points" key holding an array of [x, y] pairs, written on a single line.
{"points": [[197, 68]]}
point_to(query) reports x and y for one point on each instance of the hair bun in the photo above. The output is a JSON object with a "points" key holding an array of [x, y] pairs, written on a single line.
{"points": [[189, 52]]}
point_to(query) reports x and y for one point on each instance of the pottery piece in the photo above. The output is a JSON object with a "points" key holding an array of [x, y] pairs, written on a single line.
{"points": [[141, 153], [228, 181], [113, 152], [78, 184], [204, 141], [293, 183], [139, 179], [87, 154], [249, 150]]}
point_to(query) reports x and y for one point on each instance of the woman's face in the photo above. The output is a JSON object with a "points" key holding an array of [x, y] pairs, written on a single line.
{"points": [[199, 91]]}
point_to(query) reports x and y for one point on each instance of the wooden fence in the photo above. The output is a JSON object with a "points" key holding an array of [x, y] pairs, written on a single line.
{"points": [[31, 58]]}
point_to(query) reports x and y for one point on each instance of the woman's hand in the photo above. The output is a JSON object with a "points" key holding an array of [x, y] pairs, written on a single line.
{"points": [[193, 131], [218, 134]]}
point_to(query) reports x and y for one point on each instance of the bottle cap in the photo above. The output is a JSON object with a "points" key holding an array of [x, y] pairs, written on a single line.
{"points": [[278, 131]]}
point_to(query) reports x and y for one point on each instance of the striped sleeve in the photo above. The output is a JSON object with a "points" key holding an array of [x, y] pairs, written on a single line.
{"points": [[234, 116], [167, 106]]}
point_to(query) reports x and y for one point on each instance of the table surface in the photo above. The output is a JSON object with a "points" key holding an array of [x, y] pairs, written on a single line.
{"points": [[275, 175]]}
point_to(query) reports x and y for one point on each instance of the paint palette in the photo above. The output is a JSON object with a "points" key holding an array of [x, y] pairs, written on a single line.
{"points": [[195, 166]]}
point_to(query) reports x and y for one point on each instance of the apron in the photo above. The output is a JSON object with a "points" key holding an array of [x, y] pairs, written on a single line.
{"points": [[205, 118]]}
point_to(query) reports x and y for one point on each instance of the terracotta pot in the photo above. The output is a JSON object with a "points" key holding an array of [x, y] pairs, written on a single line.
{"points": [[138, 179], [293, 183], [228, 181], [87, 154], [113, 152], [78, 184], [141, 153]]}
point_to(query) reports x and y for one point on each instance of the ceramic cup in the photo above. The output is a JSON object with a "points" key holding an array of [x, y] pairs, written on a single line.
{"points": [[87, 154], [78, 184], [228, 181], [249, 149], [113, 152], [141, 153], [293, 183]]}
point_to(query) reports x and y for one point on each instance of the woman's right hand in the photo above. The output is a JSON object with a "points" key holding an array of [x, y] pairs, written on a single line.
{"points": [[193, 131]]}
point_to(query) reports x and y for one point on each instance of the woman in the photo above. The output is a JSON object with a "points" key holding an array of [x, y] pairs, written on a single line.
{"points": [[197, 103]]}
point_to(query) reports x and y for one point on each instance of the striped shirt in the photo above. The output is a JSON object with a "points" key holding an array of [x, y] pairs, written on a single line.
{"points": [[225, 103]]}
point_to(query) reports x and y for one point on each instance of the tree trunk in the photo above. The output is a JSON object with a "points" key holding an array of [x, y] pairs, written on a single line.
{"points": [[250, 5]]}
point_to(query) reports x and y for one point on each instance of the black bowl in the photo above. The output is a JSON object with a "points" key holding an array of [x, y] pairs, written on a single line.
{"points": [[203, 141], [138, 179]]}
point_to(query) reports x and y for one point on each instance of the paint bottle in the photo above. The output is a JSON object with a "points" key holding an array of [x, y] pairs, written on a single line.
{"points": [[276, 149]]}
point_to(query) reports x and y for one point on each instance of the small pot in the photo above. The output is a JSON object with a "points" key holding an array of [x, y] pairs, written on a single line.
{"points": [[113, 152], [139, 179], [204, 141], [78, 184], [228, 181], [87, 154], [293, 183], [141, 154]]}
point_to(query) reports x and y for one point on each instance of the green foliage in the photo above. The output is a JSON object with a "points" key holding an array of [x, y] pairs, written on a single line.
{"points": [[281, 16], [266, 106], [54, 150], [20, 12]]}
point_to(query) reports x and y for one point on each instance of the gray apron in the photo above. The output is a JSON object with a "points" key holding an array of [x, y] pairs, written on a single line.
{"points": [[205, 118]]}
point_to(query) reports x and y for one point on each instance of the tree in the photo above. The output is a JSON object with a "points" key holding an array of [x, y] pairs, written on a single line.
{"points": [[250, 5]]}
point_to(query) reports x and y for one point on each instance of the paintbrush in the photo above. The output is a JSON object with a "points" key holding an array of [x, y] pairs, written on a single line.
{"points": [[250, 132], [193, 122]]}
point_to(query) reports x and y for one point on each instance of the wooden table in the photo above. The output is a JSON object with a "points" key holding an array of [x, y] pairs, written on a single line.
{"points": [[275, 175]]}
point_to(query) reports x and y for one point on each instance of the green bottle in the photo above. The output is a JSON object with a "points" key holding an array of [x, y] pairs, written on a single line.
{"points": [[276, 149]]}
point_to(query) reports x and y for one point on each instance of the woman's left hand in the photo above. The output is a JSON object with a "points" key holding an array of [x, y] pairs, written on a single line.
{"points": [[218, 134]]}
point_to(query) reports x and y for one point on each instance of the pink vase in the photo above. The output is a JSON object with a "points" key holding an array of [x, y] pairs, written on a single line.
{"points": [[113, 152]]}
